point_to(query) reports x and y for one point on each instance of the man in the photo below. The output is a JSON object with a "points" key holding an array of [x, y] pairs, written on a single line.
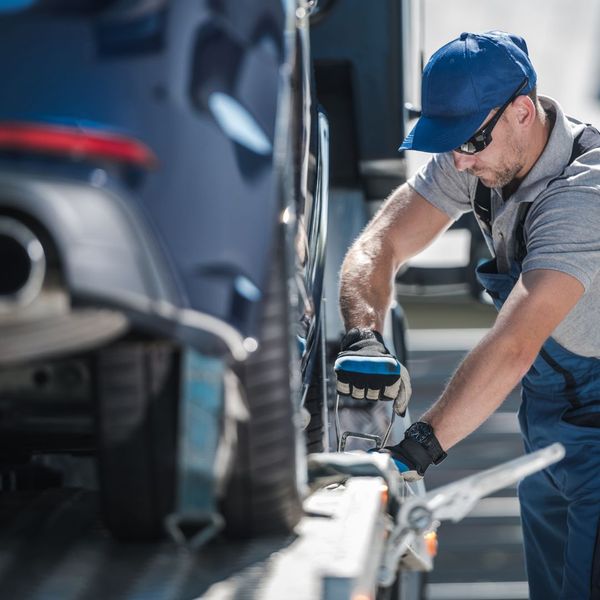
{"points": [[532, 177]]}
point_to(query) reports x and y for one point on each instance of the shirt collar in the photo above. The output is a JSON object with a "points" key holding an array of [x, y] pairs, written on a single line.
{"points": [[555, 156]]}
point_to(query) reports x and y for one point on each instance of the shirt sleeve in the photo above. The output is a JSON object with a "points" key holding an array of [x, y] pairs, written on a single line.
{"points": [[442, 185], [562, 234]]}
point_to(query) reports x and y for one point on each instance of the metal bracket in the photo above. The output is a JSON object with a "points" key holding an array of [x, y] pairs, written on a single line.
{"points": [[355, 434], [455, 500], [380, 442]]}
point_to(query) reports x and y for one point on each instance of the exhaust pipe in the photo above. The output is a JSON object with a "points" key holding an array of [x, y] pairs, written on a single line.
{"points": [[22, 265]]}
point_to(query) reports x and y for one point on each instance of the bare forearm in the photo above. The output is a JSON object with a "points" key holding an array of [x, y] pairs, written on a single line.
{"points": [[477, 389], [405, 225], [366, 286], [537, 304]]}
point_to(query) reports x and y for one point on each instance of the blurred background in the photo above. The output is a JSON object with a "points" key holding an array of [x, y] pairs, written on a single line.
{"points": [[561, 37], [482, 557], [202, 90]]}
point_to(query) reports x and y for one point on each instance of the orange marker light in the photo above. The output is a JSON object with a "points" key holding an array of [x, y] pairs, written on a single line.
{"points": [[385, 495], [431, 543]]}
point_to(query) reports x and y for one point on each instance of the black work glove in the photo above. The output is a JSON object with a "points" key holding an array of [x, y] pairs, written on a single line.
{"points": [[365, 369], [419, 449]]}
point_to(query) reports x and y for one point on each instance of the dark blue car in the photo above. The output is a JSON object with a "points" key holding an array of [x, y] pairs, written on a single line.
{"points": [[164, 179], [163, 201]]}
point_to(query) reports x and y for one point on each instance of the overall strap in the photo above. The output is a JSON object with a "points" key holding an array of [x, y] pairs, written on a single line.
{"points": [[587, 139], [482, 207]]}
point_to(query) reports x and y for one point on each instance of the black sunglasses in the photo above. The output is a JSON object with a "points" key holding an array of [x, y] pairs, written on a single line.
{"points": [[482, 138]]}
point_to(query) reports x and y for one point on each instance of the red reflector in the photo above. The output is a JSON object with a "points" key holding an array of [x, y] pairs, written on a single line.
{"points": [[75, 143]]}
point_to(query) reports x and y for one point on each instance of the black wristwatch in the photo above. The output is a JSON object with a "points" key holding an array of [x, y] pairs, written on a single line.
{"points": [[422, 433]]}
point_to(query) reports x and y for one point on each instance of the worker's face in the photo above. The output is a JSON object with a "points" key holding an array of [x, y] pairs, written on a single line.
{"points": [[500, 162]]}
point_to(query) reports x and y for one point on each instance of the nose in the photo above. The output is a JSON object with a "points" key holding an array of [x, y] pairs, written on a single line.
{"points": [[462, 162]]}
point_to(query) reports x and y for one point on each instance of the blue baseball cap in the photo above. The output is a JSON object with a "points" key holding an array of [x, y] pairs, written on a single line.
{"points": [[462, 82]]}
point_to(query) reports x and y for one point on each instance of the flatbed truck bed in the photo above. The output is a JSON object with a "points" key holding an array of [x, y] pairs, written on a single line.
{"points": [[362, 526], [53, 545]]}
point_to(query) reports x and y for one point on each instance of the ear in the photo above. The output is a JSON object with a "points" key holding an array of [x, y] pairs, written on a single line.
{"points": [[524, 110]]}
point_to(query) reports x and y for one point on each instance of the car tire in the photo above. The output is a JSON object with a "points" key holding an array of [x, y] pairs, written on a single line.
{"points": [[400, 349], [262, 495], [313, 403], [137, 387]]}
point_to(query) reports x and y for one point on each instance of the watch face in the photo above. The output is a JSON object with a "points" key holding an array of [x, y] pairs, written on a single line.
{"points": [[421, 432]]}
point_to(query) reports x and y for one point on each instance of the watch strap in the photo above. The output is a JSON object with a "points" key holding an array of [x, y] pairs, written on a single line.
{"points": [[422, 434]]}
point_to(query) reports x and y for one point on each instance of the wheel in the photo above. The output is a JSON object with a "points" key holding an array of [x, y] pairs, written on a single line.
{"points": [[398, 323], [316, 396], [262, 496], [137, 387]]}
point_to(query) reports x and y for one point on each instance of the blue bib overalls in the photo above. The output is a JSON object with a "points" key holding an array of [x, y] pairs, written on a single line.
{"points": [[560, 506]]}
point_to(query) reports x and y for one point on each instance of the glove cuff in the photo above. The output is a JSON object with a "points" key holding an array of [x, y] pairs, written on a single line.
{"points": [[356, 334], [418, 455]]}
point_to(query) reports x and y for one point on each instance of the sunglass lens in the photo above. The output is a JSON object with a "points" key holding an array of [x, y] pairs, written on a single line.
{"points": [[467, 148]]}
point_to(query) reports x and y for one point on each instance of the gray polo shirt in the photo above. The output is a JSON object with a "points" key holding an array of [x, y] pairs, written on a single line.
{"points": [[562, 228]]}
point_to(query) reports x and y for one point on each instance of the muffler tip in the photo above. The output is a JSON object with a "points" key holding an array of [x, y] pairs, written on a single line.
{"points": [[22, 264]]}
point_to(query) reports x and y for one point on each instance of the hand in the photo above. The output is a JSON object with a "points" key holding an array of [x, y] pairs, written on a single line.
{"points": [[366, 369], [419, 449], [408, 465]]}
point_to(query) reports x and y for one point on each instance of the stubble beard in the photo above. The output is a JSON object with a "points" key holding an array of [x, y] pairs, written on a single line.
{"points": [[505, 174]]}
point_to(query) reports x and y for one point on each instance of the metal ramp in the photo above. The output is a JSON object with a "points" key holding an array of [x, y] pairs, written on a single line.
{"points": [[54, 547]]}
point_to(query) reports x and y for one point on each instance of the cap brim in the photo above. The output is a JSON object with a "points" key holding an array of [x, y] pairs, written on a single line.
{"points": [[442, 134]]}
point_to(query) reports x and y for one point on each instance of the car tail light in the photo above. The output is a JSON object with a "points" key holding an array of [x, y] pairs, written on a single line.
{"points": [[76, 143]]}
